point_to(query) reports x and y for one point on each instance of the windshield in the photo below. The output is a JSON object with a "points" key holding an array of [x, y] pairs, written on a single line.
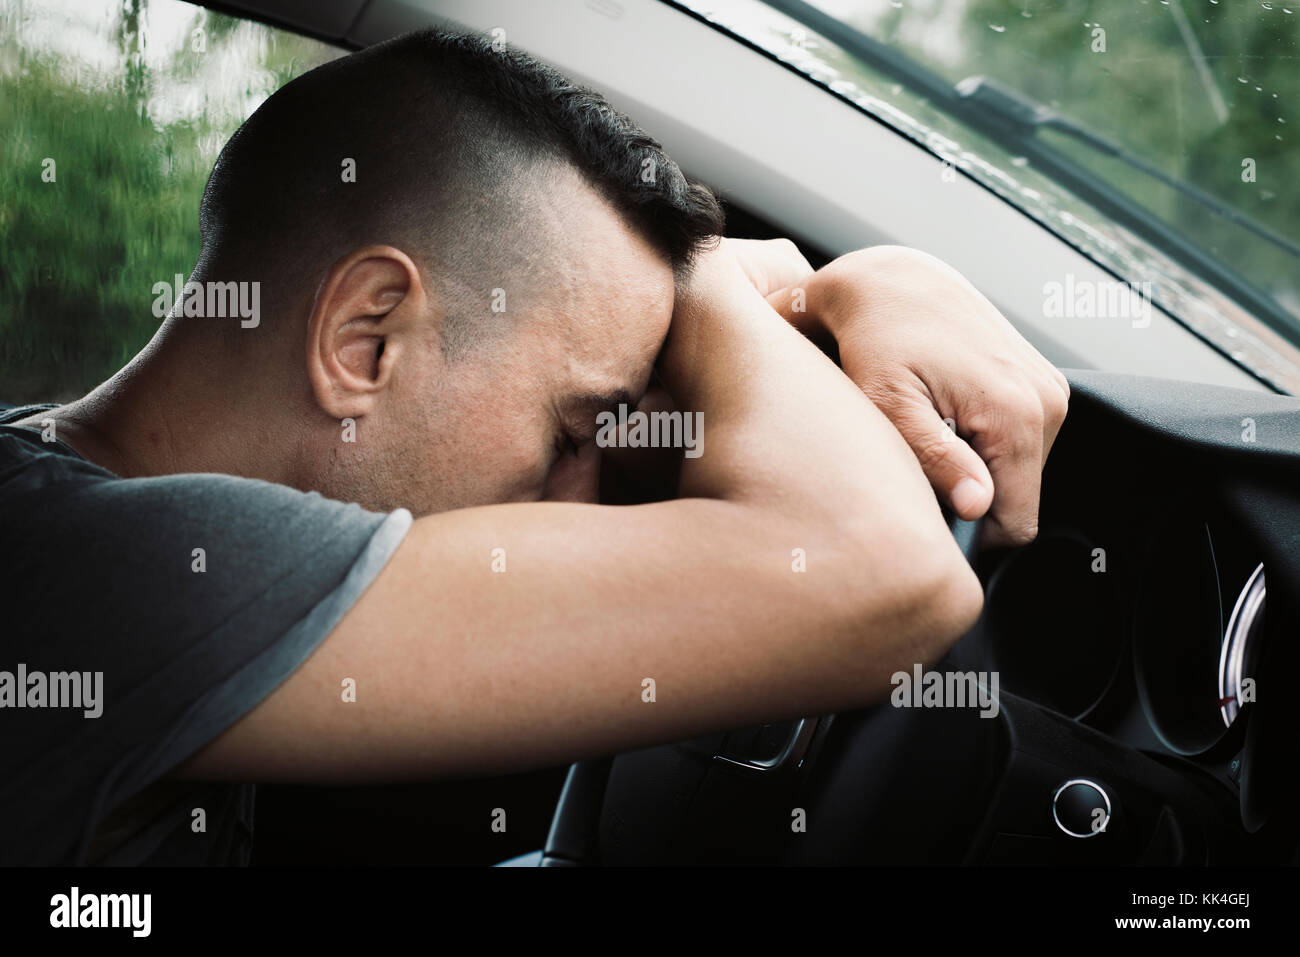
{"points": [[1154, 135]]}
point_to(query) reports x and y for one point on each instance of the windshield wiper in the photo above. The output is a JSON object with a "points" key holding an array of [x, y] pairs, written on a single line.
{"points": [[1026, 116], [1013, 120]]}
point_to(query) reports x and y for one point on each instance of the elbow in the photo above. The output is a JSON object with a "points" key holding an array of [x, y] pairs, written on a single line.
{"points": [[935, 599], [947, 602]]}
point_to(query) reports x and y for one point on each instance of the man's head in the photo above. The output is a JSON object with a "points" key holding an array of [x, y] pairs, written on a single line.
{"points": [[459, 250]]}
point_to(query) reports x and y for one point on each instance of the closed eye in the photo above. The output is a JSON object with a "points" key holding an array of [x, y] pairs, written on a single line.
{"points": [[564, 442], [577, 415]]}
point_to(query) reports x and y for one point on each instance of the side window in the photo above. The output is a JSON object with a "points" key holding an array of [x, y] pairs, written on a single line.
{"points": [[111, 114]]}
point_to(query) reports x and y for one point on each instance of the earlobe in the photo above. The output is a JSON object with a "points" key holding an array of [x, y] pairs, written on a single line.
{"points": [[363, 313]]}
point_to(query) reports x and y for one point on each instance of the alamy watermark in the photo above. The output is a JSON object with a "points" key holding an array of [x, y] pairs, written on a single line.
{"points": [[1089, 299], [75, 909], [55, 689], [946, 689], [210, 300], [651, 430]]}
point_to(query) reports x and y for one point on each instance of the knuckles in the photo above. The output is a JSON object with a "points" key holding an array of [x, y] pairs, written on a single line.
{"points": [[936, 453]]}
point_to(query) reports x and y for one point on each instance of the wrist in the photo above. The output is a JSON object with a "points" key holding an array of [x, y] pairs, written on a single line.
{"points": [[845, 290]]}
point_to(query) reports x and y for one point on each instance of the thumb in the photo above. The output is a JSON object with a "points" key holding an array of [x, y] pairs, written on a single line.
{"points": [[956, 471]]}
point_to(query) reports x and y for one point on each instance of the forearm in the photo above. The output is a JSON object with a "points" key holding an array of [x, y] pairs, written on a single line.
{"points": [[977, 404], [784, 426], [792, 439]]}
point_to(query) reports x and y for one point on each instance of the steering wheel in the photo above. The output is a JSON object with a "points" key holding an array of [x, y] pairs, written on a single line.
{"points": [[966, 533], [575, 835]]}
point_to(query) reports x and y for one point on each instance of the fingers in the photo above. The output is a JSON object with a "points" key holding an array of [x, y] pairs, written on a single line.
{"points": [[918, 337], [1013, 426], [1056, 404], [770, 264], [1052, 395], [1014, 451], [1056, 408], [956, 471]]}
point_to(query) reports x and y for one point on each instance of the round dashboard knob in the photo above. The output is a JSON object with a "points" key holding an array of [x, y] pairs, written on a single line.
{"points": [[1081, 808]]}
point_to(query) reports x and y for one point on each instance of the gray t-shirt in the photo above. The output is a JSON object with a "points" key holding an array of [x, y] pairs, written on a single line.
{"points": [[110, 609]]}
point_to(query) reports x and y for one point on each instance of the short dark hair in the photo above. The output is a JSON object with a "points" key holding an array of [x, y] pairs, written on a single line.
{"points": [[448, 134]]}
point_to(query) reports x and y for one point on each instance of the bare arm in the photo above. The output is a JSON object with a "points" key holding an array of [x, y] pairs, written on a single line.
{"points": [[975, 401], [460, 670]]}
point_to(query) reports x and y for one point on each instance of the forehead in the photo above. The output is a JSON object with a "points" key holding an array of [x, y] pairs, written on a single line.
{"points": [[610, 299]]}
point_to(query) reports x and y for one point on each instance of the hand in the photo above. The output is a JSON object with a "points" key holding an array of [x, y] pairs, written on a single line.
{"points": [[925, 347], [770, 264]]}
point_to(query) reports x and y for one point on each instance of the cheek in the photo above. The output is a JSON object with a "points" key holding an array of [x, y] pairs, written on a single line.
{"points": [[506, 468], [575, 478], [491, 443]]}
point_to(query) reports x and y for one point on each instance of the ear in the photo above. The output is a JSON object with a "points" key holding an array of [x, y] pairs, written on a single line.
{"points": [[369, 313]]}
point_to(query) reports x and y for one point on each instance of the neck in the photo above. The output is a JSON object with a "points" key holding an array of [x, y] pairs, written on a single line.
{"points": [[156, 416]]}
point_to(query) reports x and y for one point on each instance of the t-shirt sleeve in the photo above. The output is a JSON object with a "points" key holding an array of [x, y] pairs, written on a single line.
{"points": [[191, 597]]}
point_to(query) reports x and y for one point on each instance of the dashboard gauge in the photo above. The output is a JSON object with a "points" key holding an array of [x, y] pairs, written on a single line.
{"points": [[1240, 642], [1178, 638], [1056, 621]]}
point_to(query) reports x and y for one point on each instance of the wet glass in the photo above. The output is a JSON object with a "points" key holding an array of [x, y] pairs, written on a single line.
{"points": [[1203, 92], [111, 114]]}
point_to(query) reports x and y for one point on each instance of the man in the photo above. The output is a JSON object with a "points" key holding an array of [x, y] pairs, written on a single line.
{"points": [[461, 266]]}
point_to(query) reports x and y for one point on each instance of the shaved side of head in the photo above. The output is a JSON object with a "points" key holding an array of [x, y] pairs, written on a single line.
{"points": [[450, 150]]}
